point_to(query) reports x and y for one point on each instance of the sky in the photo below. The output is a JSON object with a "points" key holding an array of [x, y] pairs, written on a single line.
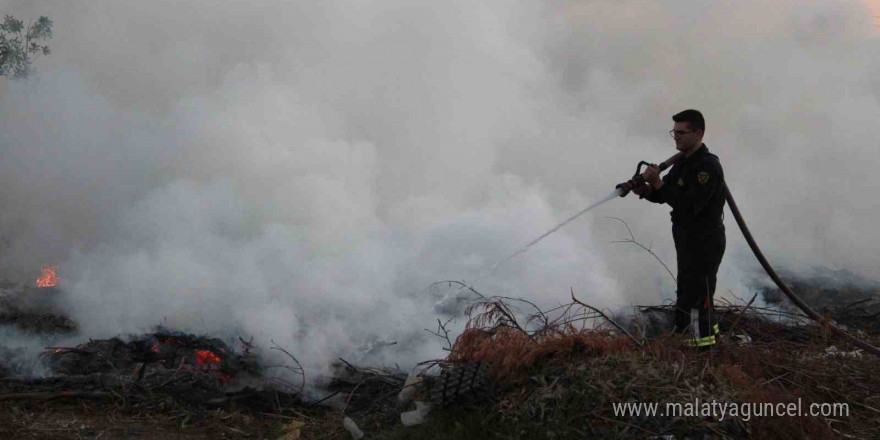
{"points": [[304, 171], [874, 8]]}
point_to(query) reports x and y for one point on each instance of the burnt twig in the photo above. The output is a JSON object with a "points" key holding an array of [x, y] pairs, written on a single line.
{"points": [[607, 318], [300, 370], [441, 327], [632, 239], [743, 312]]}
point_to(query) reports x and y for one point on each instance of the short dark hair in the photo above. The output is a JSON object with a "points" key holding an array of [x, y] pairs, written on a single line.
{"points": [[693, 117]]}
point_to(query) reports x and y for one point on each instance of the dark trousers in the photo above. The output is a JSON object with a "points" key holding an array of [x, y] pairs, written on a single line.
{"points": [[699, 253]]}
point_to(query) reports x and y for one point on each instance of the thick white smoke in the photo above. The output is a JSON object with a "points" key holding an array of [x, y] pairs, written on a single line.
{"points": [[302, 171]]}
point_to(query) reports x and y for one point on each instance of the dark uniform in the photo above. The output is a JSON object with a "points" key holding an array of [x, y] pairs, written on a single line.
{"points": [[695, 190]]}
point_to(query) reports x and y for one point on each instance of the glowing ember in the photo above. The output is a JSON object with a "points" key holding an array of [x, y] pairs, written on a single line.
{"points": [[48, 276], [225, 378], [206, 357], [155, 348]]}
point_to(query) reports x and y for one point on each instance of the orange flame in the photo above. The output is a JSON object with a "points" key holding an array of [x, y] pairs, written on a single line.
{"points": [[48, 277], [209, 360], [206, 357]]}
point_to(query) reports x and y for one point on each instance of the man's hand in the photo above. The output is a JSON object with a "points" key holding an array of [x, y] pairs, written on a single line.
{"points": [[642, 190], [652, 176]]}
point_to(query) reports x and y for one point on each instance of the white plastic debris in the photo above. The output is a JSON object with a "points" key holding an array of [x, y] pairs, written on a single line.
{"points": [[833, 351], [352, 428], [741, 338], [410, 387], [416, 416]]}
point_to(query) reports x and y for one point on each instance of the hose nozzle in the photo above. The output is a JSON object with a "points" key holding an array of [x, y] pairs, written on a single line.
{"points": [[639, 177], [628, 186]]}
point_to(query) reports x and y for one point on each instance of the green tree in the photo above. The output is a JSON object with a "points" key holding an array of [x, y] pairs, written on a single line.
{"points": [[19, 45]]}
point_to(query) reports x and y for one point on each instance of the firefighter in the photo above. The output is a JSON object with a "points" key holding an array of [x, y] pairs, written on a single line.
{"points": [[695, 190]]}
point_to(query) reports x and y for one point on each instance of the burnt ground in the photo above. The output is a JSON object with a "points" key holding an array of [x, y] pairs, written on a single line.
{"points": [[94, 406], [84, 419], [170, 385], [166, 385], [850, 300]]}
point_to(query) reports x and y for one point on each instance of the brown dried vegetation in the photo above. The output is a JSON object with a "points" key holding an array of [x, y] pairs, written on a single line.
{"points": [[561, 379]]}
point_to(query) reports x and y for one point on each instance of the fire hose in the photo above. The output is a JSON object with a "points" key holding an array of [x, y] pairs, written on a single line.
{"points": [[639, 179]]}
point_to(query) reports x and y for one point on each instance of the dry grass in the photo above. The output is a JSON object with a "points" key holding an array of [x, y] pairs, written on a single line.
{"points": [[568, 376]]}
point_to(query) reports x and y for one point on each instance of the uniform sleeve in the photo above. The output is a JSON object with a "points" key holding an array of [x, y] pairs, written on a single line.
{"points": [[656, 196], [696, 194]]}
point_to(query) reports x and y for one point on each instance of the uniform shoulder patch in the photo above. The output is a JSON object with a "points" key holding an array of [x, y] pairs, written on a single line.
{"points": [[703, 177]]}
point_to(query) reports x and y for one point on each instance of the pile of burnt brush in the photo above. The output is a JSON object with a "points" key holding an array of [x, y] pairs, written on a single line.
{"points": [[850, 300], [559, 373], [31, 310], [160, 370], [186, 374]]}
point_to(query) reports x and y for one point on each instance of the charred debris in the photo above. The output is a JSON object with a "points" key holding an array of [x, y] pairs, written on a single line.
{"points": [[516, 371]]}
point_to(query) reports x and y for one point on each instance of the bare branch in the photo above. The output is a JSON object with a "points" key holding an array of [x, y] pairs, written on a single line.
{"points": [[441, 327], [733, 326], [301, 371], [619, 327], [648, 250]]}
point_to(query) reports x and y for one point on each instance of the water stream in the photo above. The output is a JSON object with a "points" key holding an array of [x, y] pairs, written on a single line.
{"points": [[614, 194]]}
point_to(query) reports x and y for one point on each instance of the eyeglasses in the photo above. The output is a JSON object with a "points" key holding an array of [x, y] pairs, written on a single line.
{"points": [[678, 133]]}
